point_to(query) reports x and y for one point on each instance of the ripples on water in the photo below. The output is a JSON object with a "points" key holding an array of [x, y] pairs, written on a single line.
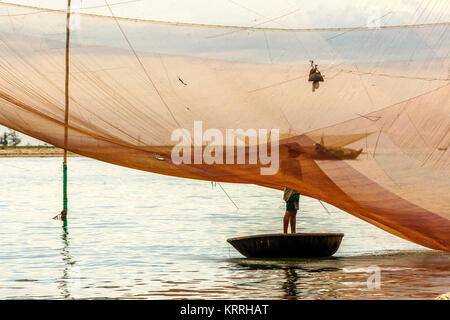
{"points": [[136, 235]]}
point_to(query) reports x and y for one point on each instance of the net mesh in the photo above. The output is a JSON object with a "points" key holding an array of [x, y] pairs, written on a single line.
{"points": [[372, 140]]}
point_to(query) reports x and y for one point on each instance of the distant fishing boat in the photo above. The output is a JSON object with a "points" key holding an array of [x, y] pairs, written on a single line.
{"points": [[298, 245], [335, 153]]}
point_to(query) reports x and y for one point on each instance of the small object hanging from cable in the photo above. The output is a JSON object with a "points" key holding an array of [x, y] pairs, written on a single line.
{"points": [[181, 80], [315, 76]]}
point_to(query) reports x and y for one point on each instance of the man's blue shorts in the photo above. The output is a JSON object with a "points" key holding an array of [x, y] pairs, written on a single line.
{"points": [[293, 202]]}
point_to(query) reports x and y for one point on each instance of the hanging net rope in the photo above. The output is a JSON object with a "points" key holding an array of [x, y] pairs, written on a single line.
{"points": [[373, 140]]}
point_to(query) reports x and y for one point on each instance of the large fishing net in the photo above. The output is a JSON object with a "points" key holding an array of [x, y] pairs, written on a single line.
{"points": [[372, 139]]}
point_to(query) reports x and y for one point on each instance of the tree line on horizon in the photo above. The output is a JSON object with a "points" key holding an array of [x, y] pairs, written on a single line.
{"points": [[9, 138]]}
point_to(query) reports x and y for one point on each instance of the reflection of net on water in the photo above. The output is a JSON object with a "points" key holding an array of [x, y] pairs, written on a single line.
{"points": [[372, 141]]}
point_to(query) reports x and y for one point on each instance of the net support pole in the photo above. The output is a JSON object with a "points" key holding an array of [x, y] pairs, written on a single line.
{"points": [[66, 114]]}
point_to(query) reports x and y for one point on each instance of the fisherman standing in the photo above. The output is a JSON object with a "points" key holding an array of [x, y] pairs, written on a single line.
{"points": [[292, 199]]}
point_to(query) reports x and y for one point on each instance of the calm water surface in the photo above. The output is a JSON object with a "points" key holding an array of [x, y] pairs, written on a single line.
{"points": [[136, 235]]}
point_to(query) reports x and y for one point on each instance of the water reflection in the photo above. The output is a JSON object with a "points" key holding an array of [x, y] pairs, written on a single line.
{"points": [[65, 283], [301, 278], [401, 274], [290, 284]]}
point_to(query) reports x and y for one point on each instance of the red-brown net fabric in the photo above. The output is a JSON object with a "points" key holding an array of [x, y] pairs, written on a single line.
{"points": [[381, 115]]}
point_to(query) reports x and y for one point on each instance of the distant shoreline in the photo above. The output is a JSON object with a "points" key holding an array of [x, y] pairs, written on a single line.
{"points": [[33, 151]]}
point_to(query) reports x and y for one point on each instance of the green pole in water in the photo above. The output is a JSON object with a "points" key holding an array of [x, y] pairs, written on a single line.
{"points": [[66, 116], [65, 187]]}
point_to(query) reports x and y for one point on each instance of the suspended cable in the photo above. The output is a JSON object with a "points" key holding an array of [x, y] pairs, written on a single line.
{"points": [[255, 25], [234, 27], [228, 196], [268, 47], [323, 206], [277, 22], [364, 26], [142, 66], [153, 84], [393, 75], [42, 10], [289, 80]]}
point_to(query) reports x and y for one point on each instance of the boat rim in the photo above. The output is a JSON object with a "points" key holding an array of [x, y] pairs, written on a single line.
{"points": [[273, 235]]}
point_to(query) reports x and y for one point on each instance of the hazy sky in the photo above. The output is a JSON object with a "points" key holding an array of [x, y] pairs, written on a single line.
{"points": [[296, 13]]}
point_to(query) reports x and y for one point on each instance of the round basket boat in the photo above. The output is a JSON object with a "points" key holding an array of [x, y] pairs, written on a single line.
{"points": [[298, 245]]}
